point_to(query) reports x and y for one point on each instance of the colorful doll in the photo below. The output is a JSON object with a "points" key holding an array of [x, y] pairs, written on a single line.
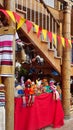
{"points": [[27, 91], [22, 81], [32, 93], [46, 86], [54, 89]]}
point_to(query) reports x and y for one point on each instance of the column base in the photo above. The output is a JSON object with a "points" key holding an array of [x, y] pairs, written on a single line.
{"points": [[67, 117]]}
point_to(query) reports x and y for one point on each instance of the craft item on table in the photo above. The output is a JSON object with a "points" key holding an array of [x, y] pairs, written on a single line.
{"points": [[20, 90], [27, 91], [46, 86], [22, 81], [59, 90], [54, 89], [38, 86], [32, 93], [6, 55]]}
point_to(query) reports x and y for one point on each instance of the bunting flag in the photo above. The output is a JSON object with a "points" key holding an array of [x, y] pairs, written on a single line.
{"points": [[17, 17], [10, 13], [36, 28], [29, 25], [21, 22], [5, 13], [59, 39], [63, 41], [55, 38], [39, 31], [69, 41], [44, 32], [66, 42], [50, 36]]}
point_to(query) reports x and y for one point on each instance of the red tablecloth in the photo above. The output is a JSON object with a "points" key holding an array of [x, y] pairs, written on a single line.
{"points": [[44, 112]]}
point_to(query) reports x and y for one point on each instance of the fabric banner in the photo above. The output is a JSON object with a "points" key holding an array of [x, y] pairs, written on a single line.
{"points": [[44, 112], [6, 55]]}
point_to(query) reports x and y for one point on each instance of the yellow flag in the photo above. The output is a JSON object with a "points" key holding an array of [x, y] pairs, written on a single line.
{"points": [[10, 13], [63, 41], [44, 32], [55, 38], [70, 43], [21, 22], [36, 28]]}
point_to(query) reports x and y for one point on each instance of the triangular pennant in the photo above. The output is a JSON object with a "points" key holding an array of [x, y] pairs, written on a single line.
{"points": [[4, 11], [21, 22], [59, 39], [44, 32], [63, 41], [29, 25], [36, 28], [39, 31], [69, 41], [66, 41], [17, 17], [50, 36], [55, 38], [10, 13]]}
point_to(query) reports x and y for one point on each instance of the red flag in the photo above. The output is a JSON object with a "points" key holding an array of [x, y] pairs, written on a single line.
{"points": [[50, 36], [59, 39], [66, 41], [4, 12], [39, 31], [17, 17], [29, 25]]}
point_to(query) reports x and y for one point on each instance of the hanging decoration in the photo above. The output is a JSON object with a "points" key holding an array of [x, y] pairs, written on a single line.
{"points": [[10, 13], [29, 25], [20, 21], [6, 55]]}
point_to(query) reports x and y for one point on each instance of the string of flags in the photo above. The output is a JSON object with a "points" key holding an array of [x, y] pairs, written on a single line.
{"points": [[16, 18]]}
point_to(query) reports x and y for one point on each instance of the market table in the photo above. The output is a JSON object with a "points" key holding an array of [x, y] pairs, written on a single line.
{"points": [[44, 112]]}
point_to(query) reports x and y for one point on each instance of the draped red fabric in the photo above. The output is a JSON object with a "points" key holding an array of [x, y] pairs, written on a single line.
{"points": [[44, 112]]}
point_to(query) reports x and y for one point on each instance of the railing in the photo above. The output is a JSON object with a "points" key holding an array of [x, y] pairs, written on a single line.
{"points": [[38, 12]]}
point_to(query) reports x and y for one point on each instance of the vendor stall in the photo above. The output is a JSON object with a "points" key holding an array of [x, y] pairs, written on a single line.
{"points": [[45, 111]]}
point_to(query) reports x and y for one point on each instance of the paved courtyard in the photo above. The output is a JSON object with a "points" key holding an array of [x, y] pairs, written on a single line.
{"points": [[68, 125]]}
